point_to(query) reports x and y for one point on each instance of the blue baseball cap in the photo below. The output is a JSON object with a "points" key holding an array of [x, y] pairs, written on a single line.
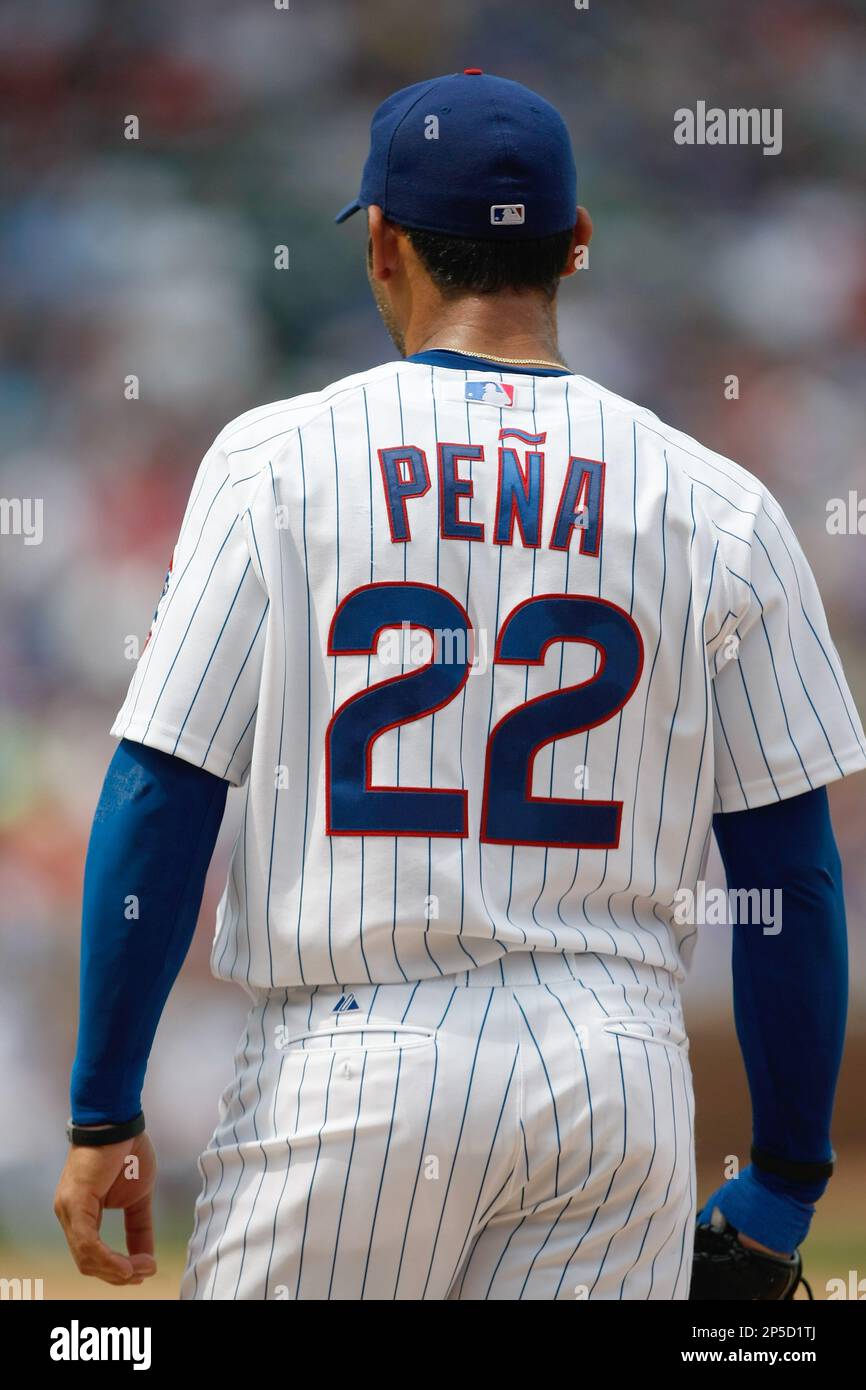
{"points": [[470, 155]]}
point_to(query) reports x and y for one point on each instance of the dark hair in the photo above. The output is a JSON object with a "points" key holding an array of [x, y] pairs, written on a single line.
{"points": [[459, 266]]}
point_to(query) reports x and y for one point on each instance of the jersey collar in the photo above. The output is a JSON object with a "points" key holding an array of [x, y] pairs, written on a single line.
{"points": [[461, 361]]}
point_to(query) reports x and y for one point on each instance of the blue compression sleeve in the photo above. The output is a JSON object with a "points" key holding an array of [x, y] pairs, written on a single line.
{"points": [[790, 989], [152, 839]]}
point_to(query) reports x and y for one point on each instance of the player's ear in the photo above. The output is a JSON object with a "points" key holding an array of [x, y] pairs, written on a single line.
{"points": [[580, 239], [383, 253]]}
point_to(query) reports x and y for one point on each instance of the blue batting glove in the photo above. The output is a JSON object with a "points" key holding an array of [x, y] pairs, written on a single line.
{"points": [[774, 1219]]}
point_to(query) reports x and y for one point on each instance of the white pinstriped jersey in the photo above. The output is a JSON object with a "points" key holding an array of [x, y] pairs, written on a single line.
{"points": [[582, 633]]}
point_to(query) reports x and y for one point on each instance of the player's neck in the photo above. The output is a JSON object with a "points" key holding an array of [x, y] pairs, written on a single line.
{"points": [[511, 324]]}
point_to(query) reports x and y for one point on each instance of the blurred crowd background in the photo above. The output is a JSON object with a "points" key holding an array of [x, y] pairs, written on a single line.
{"points": [[155, 258]]}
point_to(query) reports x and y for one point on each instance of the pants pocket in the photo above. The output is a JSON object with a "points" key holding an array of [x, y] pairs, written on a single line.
{"points": [[671, 1034], [359, 1035]]}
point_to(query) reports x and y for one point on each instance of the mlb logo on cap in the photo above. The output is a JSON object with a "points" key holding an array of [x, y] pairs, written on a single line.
{"points": [[490, 392], [507, 214], [495, 139]]}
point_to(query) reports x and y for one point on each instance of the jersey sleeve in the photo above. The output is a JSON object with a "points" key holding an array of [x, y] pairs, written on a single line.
{"points": [[784, 721], [195, 690]]}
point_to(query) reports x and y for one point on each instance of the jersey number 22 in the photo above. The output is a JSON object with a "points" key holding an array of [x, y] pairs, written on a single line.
{"points": [[510, 814]]}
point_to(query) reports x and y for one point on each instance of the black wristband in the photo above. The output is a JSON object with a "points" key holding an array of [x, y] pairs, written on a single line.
{"points": [[791, 1169], [87, 1137]]}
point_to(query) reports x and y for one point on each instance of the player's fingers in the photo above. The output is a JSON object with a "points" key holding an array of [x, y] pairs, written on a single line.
{"points": [[95, 1258], [138, 1225], [79, 1215]]}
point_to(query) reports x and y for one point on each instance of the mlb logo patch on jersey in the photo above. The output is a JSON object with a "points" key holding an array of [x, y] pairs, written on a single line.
{"points": [[490, 393], [507, 214]]}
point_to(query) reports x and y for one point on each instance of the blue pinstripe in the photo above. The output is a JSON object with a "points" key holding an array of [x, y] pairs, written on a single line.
{"points": [[675, 711], [648, 689], [348, 1173], [213, 654], [674, 1166], [334, 688], [279, 761], [289, 1157], [706, 721], [612, 1176], [309, 708], [457, 1145], [728, 746], [361, 903], [418, 1169], [640, 1189], [313, 1175], [384, 1168], [550, 1089], [180, 645], [235, 686]]}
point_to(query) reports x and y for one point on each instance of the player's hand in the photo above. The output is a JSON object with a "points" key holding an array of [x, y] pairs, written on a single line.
{"points": [[769, 1222], [116, 1176], [762, 1249]]}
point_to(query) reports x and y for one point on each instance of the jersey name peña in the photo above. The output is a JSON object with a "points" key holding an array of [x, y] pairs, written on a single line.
{"points": [[520, 500]]}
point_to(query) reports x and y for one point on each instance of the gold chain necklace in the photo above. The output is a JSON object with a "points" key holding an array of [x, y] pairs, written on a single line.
{"points": [[492, 357]]}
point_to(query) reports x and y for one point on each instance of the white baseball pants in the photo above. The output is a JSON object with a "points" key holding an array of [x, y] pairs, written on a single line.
{"points": [[519, 1131]]}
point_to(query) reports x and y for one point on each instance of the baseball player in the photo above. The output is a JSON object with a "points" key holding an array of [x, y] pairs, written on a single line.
{"points": [[488, 651]]}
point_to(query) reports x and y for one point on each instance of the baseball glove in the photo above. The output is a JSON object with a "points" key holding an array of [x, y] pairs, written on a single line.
{"points": [[723, 1270]]}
